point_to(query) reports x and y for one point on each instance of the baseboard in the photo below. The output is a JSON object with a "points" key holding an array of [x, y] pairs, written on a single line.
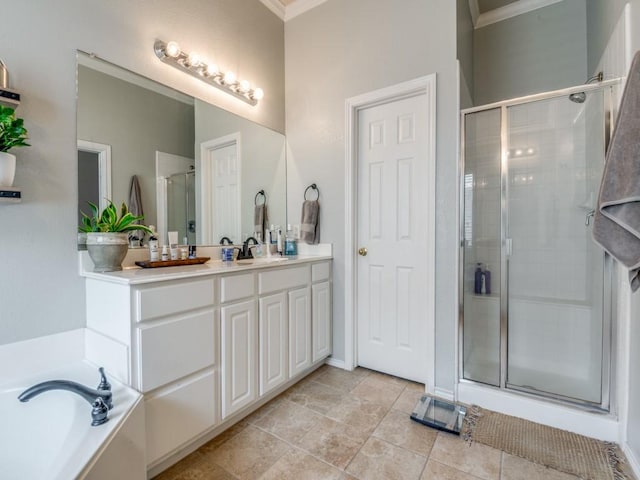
{"points": [[633, 460], [334, 362], [444, 393]]}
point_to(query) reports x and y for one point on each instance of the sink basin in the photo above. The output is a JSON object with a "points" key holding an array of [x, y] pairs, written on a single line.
{"points": [[260, 260]]}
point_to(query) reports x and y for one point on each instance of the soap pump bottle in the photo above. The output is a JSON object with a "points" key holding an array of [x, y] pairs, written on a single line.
{"points": [[487, 281], [477, 280], [154, 249]]}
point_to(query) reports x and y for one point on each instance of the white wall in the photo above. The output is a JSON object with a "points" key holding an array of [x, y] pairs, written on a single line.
{"points": [[465, 32], [341, 49], [40, 290], [539, 51]]}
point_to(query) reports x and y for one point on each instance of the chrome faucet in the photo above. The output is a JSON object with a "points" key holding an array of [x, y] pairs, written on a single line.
{"points": [[100, 399]]}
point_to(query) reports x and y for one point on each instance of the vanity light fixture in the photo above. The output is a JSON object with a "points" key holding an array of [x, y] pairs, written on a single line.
{"points": [[191, 63]]}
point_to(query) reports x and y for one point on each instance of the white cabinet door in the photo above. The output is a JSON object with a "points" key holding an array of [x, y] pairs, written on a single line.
{"points": [[321, 320], [299, 330], [239, 356], [273, 342], [179, 413]]}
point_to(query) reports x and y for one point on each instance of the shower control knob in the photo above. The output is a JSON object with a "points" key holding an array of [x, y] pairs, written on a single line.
{"points": [[362, 251]]}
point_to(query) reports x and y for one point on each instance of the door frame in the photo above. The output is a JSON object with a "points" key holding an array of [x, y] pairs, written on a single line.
{"points": [[104, 168], [420, 86], [207, 183]]}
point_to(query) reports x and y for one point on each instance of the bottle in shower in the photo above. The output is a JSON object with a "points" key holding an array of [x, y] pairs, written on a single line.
{"points": [[487, 280], [477, 283]]}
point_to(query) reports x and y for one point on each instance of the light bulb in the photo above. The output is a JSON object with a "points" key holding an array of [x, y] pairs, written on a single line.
{"points": [[229, 78], [257, 94], [212, 70], [244, 86], [193, 59], [518, 152], [172, 49]]}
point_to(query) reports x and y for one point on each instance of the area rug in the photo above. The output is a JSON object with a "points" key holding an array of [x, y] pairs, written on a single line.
{"points": [[568, 452]]}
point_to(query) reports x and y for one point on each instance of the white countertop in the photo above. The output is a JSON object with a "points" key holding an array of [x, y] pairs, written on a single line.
{"points": [[138, 275]]}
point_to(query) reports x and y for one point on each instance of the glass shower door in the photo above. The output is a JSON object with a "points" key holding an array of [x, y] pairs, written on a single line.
{"points": [[481, 247], [555, 154]]}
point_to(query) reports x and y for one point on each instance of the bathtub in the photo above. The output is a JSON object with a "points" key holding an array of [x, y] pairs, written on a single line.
{"points": [[50, 436]]}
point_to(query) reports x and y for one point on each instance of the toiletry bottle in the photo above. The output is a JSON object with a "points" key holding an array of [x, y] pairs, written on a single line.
{"points": [[290, 242], [487, 281], [477, 280], [165, 253], [273, 234], [154, 249], [279, 242]]}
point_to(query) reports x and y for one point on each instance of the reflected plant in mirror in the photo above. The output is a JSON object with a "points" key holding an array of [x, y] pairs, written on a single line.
{"points": [[197, 167]]}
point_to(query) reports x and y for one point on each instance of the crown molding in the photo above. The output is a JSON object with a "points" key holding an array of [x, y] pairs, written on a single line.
{"points": [[508, 11], [299, 7], [276, 7]]}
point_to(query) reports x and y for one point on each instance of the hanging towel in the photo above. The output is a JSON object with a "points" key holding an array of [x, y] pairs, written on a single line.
{"points": [[135, 205], [260, 220], [616, 223], [309, 222]]}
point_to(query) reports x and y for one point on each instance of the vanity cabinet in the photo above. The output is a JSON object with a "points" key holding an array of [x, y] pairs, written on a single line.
{"points": [[209, 349]]}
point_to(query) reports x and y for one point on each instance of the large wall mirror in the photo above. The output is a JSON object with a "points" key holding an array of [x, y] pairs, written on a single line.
{"points": [[194, 167]]}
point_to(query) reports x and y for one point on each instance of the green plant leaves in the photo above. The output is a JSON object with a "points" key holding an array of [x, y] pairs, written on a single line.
{"points": [[12, 130], [109, 221]]}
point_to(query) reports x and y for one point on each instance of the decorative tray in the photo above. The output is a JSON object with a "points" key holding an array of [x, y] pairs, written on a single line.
{"points": [[172, 263]]}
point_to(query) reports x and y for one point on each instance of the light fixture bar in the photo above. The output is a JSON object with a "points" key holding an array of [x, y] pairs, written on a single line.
{"points": [[191, 63]]}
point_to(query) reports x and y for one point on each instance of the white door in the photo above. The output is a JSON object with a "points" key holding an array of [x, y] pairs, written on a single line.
{"points": [[392, 273], [221, 189]]}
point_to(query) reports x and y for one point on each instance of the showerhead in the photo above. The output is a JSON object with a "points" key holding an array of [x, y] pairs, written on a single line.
{"points": [[578, 97]]}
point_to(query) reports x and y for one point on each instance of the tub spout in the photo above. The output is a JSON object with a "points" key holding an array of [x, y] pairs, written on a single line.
{"points": [[102, 395]]}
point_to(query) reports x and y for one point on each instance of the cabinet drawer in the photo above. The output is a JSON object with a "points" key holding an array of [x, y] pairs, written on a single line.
{"points": [[173, 349], [235, 287], [320, 271], [179, 414], [282, 279], [165, 300]]}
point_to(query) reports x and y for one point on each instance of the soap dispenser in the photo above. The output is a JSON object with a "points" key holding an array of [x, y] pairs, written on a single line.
{"points": [[477, 280]]}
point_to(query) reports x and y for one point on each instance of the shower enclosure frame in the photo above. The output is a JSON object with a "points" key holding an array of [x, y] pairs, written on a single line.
{"points": [[609, 305]]}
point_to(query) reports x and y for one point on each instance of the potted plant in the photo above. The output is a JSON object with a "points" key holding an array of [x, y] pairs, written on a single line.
{"points": [[107, 235], [12, 134]]}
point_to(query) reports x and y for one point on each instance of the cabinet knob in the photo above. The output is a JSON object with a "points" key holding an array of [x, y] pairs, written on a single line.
{"points": [[362, 251]]}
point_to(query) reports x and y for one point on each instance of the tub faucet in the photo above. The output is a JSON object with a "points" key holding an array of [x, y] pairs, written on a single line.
{"points": [[100, 398]]}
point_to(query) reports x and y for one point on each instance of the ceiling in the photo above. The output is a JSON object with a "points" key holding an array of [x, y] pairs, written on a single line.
{"points": [[486, 5]]}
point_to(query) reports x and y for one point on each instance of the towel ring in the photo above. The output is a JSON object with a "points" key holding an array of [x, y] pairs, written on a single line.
{"points": [[314, 187], [255, 200]]}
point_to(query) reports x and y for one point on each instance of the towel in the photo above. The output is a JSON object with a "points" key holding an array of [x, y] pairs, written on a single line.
{"points": [[260, 220], [616, 223], [309, 222], [135, 205]]}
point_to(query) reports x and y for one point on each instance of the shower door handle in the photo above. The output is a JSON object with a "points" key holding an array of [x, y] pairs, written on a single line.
{"points": [[587, 220], [508, 245]]}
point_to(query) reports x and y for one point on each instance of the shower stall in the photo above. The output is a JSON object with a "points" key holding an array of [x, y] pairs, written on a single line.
{"points": [[180, 205], [535, 290]]}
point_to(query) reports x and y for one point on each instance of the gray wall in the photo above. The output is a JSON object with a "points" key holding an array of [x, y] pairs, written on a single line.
{"points": [[346, 48], [136, 122], [535, 52], [45, 294], [602, 16], [465, 34]]}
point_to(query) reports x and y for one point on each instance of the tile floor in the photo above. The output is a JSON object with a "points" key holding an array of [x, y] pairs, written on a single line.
{"points": [[339, 425]]}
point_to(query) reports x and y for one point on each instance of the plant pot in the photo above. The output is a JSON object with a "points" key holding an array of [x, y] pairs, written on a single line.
{"points": [[107, 250], [7, 169]]}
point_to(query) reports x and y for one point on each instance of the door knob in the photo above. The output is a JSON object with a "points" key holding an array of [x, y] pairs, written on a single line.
{"points": [[362, 251]]}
